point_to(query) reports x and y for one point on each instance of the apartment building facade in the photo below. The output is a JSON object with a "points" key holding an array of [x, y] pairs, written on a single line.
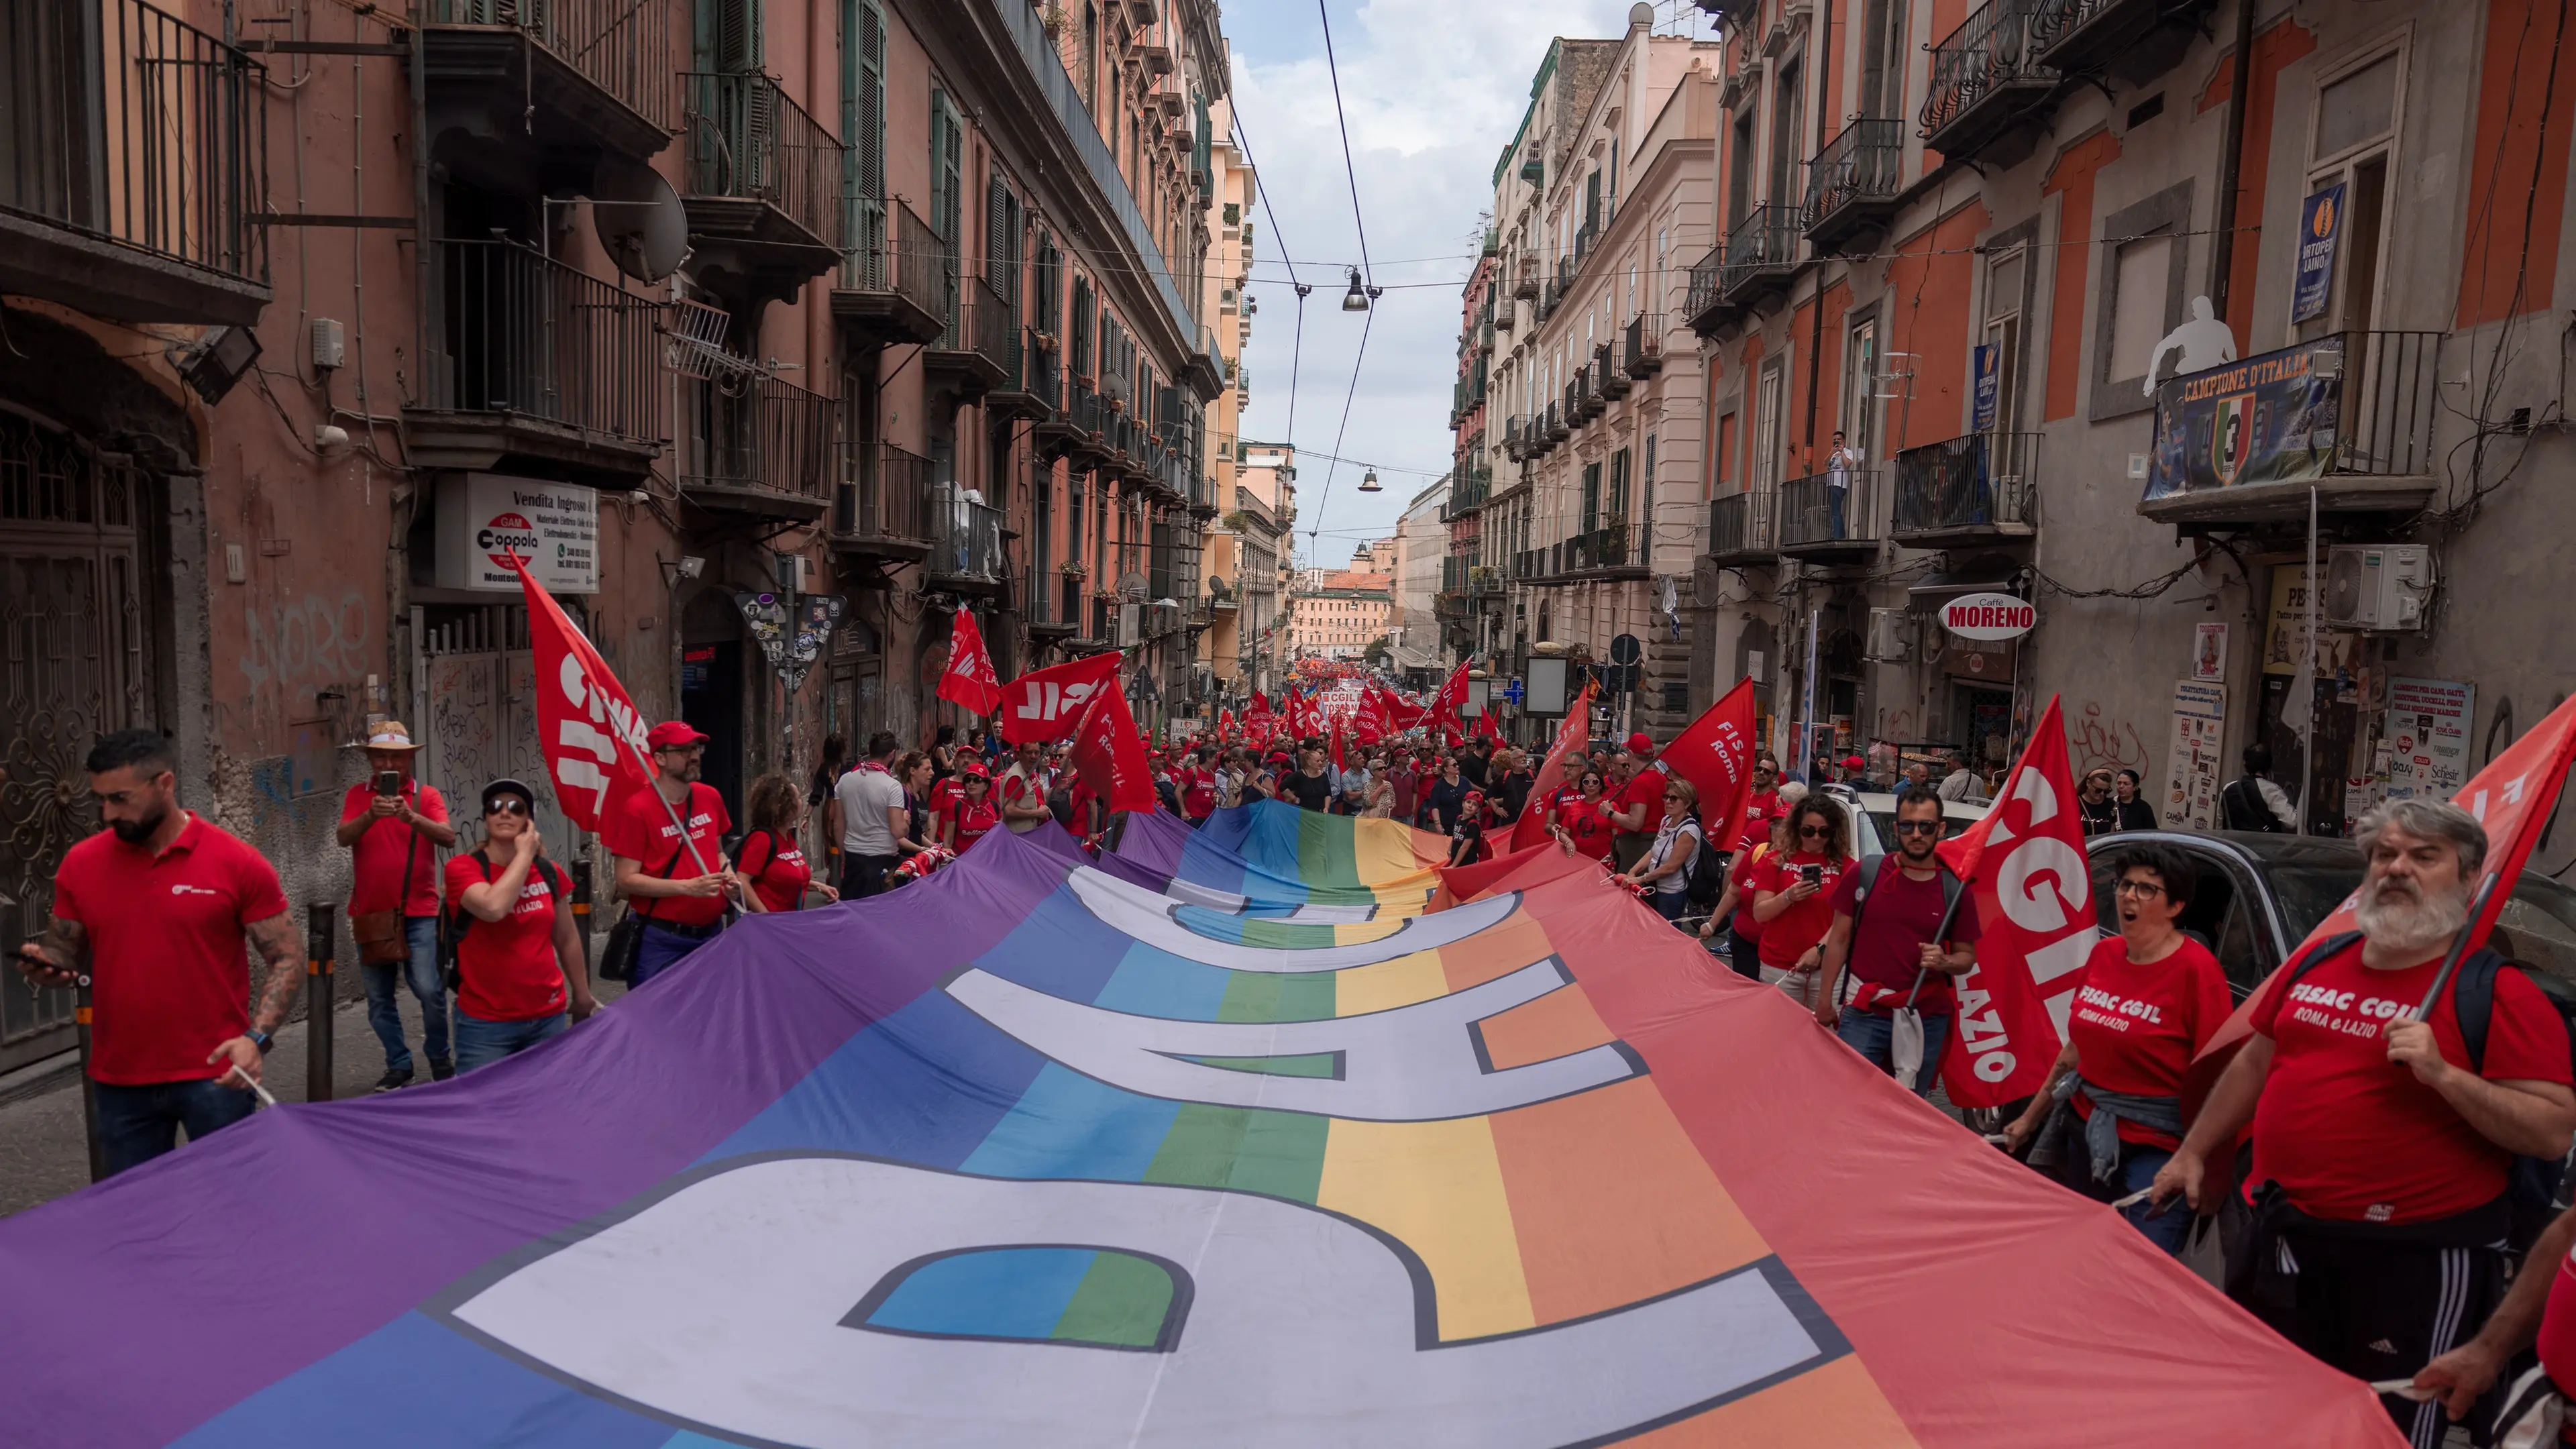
{"points": [[2107, 299], [1337, 614], [1233, 196], [1265, 510]]}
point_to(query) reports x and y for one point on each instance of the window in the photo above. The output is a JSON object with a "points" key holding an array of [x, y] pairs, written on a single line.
{"points": [[2355, 139], [1766, 426], [2003, 333], [947, 186], [1860, 390], [2142, 270], [863, 121], [1739, 171], [2357, 109], [1617, 513], [1788, 120], [1882, 67]]}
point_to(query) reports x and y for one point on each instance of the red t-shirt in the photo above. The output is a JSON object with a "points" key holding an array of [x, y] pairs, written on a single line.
{"points": [[379, 852], [641, 831], [2557, 1343], [506, 969], [1082, 796], [169, 977], [1759, 807], [2136, 1026], [1786, 936], [2354, 1137], [1740, 872], [777, 869], [970, 820], [1645, 788], [1589, 825], [1887, 942], [943, 790], [1198, 792]]}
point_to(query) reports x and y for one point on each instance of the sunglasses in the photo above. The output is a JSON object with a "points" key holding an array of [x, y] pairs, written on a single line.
{"points": [[1813, 832], [1918, 827], [506, 805]]}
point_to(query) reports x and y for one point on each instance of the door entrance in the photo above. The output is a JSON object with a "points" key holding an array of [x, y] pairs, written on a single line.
{"points": [[711, 700], [1981, 721]]}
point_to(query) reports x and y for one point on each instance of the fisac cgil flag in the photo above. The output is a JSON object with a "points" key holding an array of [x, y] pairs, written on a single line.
{"points": [[1108, 753], [592, 737], [2026, 873], [969, 679], [1716, 755], [1040, 707]]}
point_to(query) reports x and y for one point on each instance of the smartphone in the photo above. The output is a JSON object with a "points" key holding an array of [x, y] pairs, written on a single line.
{"points": [[1813, 875], [389, 782]]}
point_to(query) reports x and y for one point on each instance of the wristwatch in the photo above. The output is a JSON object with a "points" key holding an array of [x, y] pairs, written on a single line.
{"points": [[263, 1041]]}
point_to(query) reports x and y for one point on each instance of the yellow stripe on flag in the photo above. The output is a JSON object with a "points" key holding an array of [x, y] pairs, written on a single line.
{"points": [[1438, 1188]]}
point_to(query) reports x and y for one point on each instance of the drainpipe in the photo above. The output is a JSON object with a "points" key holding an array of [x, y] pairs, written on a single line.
{"points": [[2223, 252], [1824, 68]]}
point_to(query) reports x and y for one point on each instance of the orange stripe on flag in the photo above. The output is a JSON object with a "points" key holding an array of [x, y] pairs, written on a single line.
{"points": [[1838, 1404]]}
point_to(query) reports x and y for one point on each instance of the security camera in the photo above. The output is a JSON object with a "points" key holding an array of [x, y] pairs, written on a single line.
{"points": [[691, 566]]}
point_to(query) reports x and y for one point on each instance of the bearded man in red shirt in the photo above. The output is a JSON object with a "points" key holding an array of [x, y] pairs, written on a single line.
{"points": [[2382, 1143]]}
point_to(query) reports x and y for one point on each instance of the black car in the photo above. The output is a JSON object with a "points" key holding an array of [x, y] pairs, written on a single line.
{"points": [[2258, 896]]}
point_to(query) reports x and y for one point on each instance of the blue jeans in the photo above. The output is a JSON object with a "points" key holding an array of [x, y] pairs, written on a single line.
{"points": [[421, 974], [2138, 1166], [1873, 1035], [480, 1043], [658, 950], [137, 1124], [1671, 905]]}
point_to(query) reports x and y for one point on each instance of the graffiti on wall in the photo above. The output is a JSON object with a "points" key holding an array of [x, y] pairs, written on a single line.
{"points": [[304, 641], [2099, 741]]}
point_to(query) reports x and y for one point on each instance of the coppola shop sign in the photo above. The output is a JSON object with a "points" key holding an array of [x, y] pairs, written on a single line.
{"points": [[2268, 419], [1989, 618], [483, 518]]}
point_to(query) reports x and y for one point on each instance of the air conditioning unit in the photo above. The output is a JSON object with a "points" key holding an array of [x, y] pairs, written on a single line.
{"points": [[1891, 635], [1166, 618], [1130, 625], [2377, 587]]}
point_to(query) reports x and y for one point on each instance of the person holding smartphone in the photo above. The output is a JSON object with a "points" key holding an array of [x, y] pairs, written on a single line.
{"points": [[393, 827], [519, 961], [1792, 897]]}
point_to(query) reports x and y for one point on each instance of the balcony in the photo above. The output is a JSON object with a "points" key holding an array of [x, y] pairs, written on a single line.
{"points": [[980, 350], [1484, 581], [881, 511], [1525, 277], [1853, 183], [2349, 415], [132, 165], [762, 187], [1988, 86], [2133, 40], [514, 86], [1049, 603], [1556, 430], [1761, 255], [1975, 489], [1705, 307], [1739, 528], [1613, 547], [1642, 356], [1028, 389], [1608, 378], [755, 447], [535, 368], [1831, 518], [892, 289], [966, 550]]}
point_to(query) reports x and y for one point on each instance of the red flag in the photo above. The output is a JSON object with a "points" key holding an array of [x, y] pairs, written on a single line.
{"points": [[1042, 705], [587, 726], [1305, 719], [1716, 755], [1338, 763], [2513, 797], [1485, 726], [2025, 870], [1531, 828], [1224, 726], [969, 678], [1109, 753], [1443, 708]]}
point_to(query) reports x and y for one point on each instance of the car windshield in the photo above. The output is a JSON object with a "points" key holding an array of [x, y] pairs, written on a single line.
{"points": [[2537, 926], [2309, 893]]}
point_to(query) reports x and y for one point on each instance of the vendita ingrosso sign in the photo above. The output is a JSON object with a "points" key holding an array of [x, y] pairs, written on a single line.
{"points": [[2268, 419]]}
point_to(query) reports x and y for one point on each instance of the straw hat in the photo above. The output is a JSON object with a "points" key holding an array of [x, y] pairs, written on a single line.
{"points": [[390, 734]]}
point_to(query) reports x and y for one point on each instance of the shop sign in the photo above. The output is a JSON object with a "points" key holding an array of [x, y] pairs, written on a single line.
{"points": [[484, 517], [1989, 617]]}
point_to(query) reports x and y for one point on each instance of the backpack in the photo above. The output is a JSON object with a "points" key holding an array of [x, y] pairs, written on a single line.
{"points": [[455, 920], [2243, 808], [1704, 875], [1951, 889], [2532, 1184]]}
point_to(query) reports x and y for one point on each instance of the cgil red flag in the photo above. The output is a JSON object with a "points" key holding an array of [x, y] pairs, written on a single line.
{"points": [[2025, 870], [969, 679], [1716, 755], [1225, 726], [2513, 797], [1109, 753], [1571, 737], [1443, 707], [587, 726], [1486, 727], [1042, 705]]}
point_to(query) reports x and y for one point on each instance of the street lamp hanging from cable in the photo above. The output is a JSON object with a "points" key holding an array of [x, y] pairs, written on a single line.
{"points": [[1369, 483], [1357, 298]]}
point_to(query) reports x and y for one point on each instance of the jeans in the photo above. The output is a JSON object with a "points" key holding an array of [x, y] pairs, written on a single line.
{"points": [[1745, 954], [480, 1043], [1873, 1035], [421, 974], [137, 1124], [865, 875], [1671, 905], [1836, 495], [658, 950], [2167, 1229]]}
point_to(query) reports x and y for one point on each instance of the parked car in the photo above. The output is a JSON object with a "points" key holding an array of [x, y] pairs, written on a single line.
{"points": [[1956, 815]]}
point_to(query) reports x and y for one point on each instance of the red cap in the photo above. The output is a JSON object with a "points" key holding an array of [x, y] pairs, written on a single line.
{"points": [[1638, 743], [674, 732], [1855, 762], [975, 771]]}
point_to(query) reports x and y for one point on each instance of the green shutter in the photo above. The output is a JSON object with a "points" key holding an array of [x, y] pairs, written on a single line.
{"points": [[863, 124], [947, 200]]}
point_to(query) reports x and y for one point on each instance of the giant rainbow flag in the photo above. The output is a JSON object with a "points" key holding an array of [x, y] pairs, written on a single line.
{"points": [[1227, 1139]]}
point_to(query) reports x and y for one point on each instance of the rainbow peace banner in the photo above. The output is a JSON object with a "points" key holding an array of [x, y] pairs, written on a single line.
{"points": [[1229, 1138]]}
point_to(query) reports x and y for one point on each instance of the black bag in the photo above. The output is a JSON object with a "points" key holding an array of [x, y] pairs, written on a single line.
{"points": [[455, 921], [1704, 875], [617, 958], [2242, 807]]}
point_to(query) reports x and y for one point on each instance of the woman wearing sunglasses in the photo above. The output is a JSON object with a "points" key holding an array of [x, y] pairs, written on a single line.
{"points": [[1664, 872], [1583, 824], [1792, 897], [972, 815], [518, 958]]}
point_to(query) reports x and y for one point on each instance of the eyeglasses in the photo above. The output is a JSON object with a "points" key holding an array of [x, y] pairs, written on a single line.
{"points": [[1918, 827], [506, 805], [2145, 890], [1814, 832], [1672, 794]]}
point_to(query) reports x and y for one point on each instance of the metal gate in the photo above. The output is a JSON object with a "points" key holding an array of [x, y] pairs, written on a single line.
{"points": [[474, 691], [72, 667]]}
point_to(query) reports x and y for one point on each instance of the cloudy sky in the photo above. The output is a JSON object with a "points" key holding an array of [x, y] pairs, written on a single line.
{"points": [[1433, 90]]}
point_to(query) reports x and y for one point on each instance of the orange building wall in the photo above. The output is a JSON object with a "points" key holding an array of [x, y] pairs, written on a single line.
{"points": [[2274, 49], [2517, 184], [2072, 179], [1929, 282]]}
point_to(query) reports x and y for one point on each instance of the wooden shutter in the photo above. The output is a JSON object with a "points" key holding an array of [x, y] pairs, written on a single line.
{"points": [[863, 124], [736, 42], [947, 200]]}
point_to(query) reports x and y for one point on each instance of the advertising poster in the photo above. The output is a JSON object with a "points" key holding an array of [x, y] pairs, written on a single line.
{"points": [[2270, 419], [2426, 730], [2209, 653], [2320, 228], [1989, 385], [2194, 768]]}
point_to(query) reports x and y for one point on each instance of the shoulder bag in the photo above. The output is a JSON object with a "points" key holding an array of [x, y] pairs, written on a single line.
{"points": [[379, 935]]}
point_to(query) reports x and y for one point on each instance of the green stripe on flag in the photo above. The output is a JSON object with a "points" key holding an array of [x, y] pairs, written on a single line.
{"points": [[1274, 996], [1122, 1300], [1280, 1154]]}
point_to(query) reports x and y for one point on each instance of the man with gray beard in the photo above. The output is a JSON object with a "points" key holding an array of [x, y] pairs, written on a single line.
{"points": [[2383, 1144]]}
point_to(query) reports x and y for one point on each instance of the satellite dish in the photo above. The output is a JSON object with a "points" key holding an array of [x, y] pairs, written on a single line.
{"points": [[640, 221]]}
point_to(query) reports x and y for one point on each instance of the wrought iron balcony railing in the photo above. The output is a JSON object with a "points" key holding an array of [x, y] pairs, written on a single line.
{"points": [[628, 48], [518, 332], [1830, 511], [1703, 302], [1764, 245], [1992, 55], [884, 496], [757, 431], [1739, 526], [1983, 483], [748, 141], [912, 263], [1862, 166], [967, 546], [2361, 406]]}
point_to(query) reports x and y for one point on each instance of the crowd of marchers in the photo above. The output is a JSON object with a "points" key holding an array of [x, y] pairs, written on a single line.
{"points": [[2374, 1167]]}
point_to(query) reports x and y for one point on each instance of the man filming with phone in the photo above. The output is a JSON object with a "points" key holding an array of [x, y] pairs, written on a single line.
{"points": [[393, 827]]}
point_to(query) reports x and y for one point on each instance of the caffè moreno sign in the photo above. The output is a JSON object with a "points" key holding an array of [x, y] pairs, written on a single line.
{"points": [[1989, 618]]}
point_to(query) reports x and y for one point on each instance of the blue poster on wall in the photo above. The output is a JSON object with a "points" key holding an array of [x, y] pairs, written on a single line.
{"points": [[2320, 231], [1989, 386]]}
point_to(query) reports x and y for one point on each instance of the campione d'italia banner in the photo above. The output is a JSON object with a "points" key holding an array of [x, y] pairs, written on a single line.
{"points": [[1269, 1133]]}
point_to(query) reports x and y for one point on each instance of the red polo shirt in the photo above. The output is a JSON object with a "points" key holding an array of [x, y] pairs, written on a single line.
{"points": [[170, 977], [1645, 788], [641, 831], [506, 970], [379, 853]]}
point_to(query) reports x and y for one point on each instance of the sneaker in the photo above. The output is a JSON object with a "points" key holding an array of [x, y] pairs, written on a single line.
{"points": [[441, 1068], [393, 1078]]}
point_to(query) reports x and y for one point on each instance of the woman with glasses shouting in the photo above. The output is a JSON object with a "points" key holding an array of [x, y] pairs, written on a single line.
{"points": [[1792, 897], [2151, 998]]}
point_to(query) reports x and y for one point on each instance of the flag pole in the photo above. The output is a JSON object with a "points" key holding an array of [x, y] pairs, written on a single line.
{"points": [[2460, 943]]}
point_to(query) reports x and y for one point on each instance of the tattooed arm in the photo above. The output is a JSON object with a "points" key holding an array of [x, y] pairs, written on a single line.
{"points": [[278, 946], [60, 958]]}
